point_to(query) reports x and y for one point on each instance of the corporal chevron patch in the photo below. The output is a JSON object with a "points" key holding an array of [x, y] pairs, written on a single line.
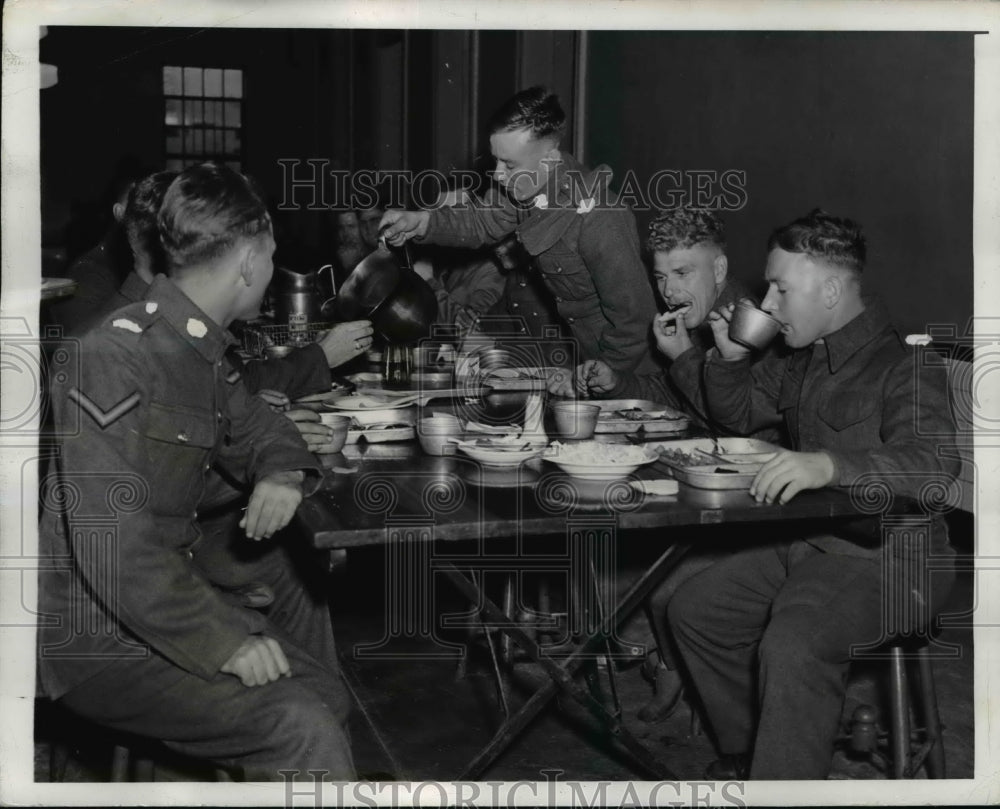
{"points": [[104, 418]]}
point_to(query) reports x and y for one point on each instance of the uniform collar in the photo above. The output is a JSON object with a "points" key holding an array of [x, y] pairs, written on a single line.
{"points": [[193, 326], [133, 287], [855, 335]]}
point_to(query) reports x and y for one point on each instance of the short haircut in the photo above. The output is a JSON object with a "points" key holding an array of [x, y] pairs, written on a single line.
{"points": [[535, 109], [685, 227], [206, 210], [835, 240], [142, 209]]}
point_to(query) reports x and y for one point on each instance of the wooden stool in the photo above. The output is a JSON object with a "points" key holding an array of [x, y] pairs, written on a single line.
{"points": [[910, 746], [132, 758]]}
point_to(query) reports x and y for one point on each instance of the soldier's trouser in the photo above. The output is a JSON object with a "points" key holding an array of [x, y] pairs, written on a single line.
{"points": [[638, 627], [297, 576], [294, 723], [766, 636]]}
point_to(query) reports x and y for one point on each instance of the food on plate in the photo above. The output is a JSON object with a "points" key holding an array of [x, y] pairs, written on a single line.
{"points": [[593, 452], [747, 457], [681, 458], [636, 414]]}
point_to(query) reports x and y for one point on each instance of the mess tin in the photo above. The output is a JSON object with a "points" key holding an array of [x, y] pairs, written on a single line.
{"points": [[752, 327]]}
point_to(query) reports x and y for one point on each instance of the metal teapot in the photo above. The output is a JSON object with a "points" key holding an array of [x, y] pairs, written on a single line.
{"points": [[384, 289], [298, 300]]}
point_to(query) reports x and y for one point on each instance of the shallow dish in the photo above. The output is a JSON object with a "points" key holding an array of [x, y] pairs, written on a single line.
{"points": [[717, 476], [380, 434], [366, 401], [609, 422], [336, 393], [517, 379], [633, 415], [498, 454], [592, 460], [741, 458]]}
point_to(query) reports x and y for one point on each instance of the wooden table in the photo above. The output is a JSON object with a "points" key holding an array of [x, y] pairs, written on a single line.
{"points": [[399, 495]]}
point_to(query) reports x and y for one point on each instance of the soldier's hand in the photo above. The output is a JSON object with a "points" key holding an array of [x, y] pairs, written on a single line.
{"points": [[275, 399], [465, 319], [789, 473], [719, 321], [258, 661], [345, 341], [595, 376], [560, 383], [313, 431], [398, 226], [671, 334], [272, 504]]}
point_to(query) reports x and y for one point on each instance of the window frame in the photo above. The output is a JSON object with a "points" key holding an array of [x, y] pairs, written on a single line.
{"points": [[185, 155]]}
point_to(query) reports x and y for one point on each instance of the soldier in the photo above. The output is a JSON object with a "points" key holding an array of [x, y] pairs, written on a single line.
{"points": [[304, 371], [691, 272], [135, 637], [582, 238], [767, 634]]}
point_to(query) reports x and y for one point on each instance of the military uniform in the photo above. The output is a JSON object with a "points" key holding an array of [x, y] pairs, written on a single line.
{"points": [[586, 249], [301, 373], [223, 554], [131, 634], [767, 633]]}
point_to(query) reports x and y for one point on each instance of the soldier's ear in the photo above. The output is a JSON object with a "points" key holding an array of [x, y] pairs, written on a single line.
{"points": [[246, 261], [720, 269], [833, 289]]}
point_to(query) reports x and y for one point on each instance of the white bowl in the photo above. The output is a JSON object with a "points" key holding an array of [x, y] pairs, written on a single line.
{"points": [[498, 455], [572, 460]]}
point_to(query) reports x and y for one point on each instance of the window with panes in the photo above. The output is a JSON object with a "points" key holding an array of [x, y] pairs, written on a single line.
{"points": [[203, 116]]}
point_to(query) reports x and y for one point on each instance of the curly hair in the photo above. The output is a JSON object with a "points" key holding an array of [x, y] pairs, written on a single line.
{"points": [[536, 109], [205, 211], [685, 227], [821, 236], [142, 208]]}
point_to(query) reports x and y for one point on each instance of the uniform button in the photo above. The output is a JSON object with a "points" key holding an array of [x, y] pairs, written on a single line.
{"points": [[534, 314], [522, 283], [194, 515], [516, 305], [558, 299], [218, 415], [190, 554], [571, 319], [184, 437], [207, 467], [558, 269]]}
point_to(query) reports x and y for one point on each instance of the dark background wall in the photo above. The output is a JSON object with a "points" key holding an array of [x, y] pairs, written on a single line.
{"points": [[107, 106], [876, 126]]}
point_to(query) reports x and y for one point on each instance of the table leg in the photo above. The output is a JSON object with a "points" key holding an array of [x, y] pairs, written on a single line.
{"points": [[562, 674]]}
